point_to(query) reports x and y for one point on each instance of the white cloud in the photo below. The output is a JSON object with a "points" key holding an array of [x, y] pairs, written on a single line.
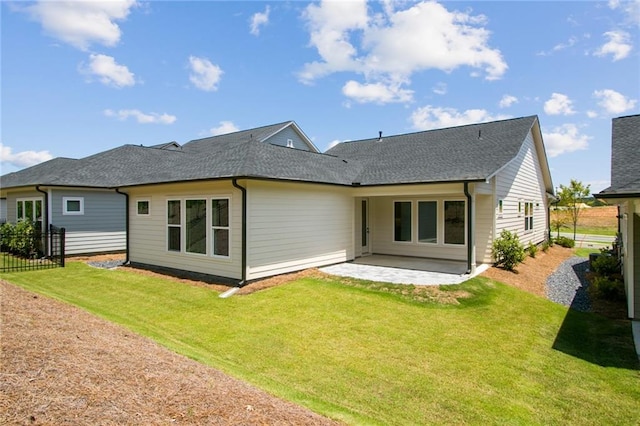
{"points": [[614, 102], [430, 117], [560, 46], [223, 128], [376, 92], [563, 139], [82, 23], [630, 8], [259, 20], [592, 114], [440, 89], [141, 117], [559, 104], [204, 75], [108, 71], [389, 46], [618, 45], [23, 158], [334, 143], [507, 101]]}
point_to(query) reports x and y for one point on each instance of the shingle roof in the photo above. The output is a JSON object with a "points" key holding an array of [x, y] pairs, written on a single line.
{"points": [[625, 157], [472, 152]]}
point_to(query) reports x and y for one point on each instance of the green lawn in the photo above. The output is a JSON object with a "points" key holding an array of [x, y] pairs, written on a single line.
{"points": [[367, 356]]}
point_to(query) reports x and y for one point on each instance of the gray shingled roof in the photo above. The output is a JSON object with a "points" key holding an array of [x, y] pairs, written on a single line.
{"points": [[625, 158], [473, 152]]}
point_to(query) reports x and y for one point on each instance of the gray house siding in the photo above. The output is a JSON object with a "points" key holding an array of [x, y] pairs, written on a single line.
{"points": [[281, 138], [101, 225], [636, 266]]}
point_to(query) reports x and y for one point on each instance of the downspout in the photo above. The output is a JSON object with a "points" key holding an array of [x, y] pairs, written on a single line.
{"points": [[126, 224], [243, 281], [45, 213], [469, 227]]}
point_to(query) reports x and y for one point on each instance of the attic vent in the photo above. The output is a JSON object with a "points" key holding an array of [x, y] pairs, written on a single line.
{"points": [[380, 136], [289, 143]]}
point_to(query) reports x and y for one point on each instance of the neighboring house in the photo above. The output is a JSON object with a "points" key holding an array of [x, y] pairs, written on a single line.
{"points": [[3, 210], [264, 201], [625, 192]]}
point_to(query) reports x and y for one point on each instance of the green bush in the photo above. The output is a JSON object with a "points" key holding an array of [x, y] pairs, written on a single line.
{"points": [[532, 249], [6, 233], [21, 239], [605, 265], [507, 250], [565, 242], [546, 245], [602, 287]]}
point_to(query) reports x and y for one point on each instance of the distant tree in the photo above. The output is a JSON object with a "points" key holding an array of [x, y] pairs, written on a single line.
{"points": [[571, 197]]}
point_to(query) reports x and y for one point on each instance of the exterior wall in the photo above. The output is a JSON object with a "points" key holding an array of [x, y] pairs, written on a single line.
{"points": [[282, 137], [12, 199], [483, 229], [148, 233], [101, 226], [634, 278], [520, 182], [382, 229], [293, 226], [3, 210]]}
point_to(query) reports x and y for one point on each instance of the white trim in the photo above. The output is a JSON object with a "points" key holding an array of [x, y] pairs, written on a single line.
{"points": [[143, 200], [66, 212]]}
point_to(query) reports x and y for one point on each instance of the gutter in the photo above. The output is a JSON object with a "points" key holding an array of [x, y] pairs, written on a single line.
{"points": [[126, 224], [469, 227], [243, 281]]}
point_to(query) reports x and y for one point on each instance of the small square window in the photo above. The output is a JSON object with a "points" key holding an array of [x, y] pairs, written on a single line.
{"points": [[143, 208], [72, 205]]}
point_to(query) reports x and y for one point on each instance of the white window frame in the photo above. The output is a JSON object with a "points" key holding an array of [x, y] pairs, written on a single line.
{"points": [[528, 216], [143, 200], [213, 228], [34, 200], [66, 212], [393, 222], [444, 222], [174, 225]]}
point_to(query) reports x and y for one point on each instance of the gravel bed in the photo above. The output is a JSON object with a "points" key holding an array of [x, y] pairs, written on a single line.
{"points": [[106, 264], [568, 284]]}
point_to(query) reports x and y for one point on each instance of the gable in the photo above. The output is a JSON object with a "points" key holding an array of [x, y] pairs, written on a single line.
{"points": [[291, 136]]}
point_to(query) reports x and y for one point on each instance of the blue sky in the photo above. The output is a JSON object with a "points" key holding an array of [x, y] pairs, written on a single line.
{"points": [[82, 77]]}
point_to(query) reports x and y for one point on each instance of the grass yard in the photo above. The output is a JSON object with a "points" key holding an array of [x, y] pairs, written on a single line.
{"points": [[368, 356]]}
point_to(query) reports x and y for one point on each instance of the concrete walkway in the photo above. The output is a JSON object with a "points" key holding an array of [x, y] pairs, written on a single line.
{"points": [[635, 328], [397, 275]]}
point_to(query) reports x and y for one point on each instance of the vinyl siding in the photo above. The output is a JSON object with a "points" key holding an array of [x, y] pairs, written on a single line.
{"points": [[521, 181], [635, 276], [282, 137], [148, 234], [101, 227], [483, 229], [3, 210], [382, 229], [297, 226]]}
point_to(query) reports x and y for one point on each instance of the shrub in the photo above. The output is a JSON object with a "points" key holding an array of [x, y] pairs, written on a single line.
{"points": [[605, 265], [546, 245], [565, 242], [532, 249], [507, 250], [6, 233], [21, 239], [602, 287]]}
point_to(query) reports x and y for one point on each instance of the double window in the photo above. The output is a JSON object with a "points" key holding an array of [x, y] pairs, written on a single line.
{"points": [[429, 219], [199, 226], [29, 209], [528, 216]]}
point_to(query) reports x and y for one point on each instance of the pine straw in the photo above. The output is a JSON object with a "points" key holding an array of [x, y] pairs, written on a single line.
{"points": [[62, 365]]}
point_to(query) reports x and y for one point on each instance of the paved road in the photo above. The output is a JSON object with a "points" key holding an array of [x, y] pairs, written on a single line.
{"points": [[587, 240]]}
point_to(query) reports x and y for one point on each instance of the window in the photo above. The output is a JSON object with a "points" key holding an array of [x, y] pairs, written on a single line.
{"points": [[454, 226], [143, 208], [29, 209], [196, 226], [174, 225], [220, 227], [519, 208], [402, 221], [528, 216], [72, 205], [500, 207], [428, 221]]}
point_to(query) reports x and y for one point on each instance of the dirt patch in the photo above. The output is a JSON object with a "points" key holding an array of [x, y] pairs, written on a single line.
{"points": [[592, 217], [61, 365]]}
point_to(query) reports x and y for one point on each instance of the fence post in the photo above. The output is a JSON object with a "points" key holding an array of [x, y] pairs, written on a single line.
{"points": [[62, 243]]}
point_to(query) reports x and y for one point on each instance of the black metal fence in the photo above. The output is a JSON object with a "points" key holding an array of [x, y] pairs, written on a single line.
{"points": [[28, 250]]}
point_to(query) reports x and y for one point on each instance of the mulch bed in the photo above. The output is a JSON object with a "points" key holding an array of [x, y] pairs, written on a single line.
{"points": [[62, 365]]}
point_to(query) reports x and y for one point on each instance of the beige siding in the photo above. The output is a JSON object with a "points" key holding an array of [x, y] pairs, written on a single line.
{"points": [[382, 229], [484, 211], [520, 182], [296, 226], [148, 234]]}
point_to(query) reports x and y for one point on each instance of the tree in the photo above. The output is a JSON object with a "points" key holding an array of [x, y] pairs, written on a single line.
{"points": [[571, 197]]}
